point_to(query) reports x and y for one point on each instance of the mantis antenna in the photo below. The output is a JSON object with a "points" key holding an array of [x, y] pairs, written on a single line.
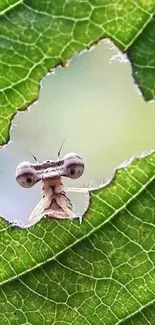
{"points": [[60, 149], [33, 157]]}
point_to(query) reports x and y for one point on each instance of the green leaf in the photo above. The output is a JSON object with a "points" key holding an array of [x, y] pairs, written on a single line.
{"points": [[99, 272], [36, 36], [6, 5], [141, 56]]}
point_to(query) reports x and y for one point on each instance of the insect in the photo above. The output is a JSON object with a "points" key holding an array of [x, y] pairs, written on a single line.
{"points": [[54, 202]]}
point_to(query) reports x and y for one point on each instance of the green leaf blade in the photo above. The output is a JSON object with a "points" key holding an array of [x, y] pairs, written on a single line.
{"points": [[101, 271], [7, 5], [143, 63], [37, 36]]}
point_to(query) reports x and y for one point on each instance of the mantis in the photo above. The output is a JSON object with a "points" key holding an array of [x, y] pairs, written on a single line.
{"points": [[54, 202]]}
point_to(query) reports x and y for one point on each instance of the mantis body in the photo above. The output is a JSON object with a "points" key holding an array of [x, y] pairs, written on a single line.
{"points": [[55, 202]]}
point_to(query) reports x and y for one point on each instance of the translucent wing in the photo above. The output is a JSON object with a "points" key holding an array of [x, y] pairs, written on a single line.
{"points": [[64, 211], [38, 212]]}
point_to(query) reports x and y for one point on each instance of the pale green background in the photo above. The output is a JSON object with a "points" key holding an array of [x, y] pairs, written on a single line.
{"points": [[94, 105]]}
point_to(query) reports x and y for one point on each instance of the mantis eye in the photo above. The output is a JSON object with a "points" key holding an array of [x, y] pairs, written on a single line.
{"points": [[74, 165], [26, 180], [25, 175], [75, 171]]}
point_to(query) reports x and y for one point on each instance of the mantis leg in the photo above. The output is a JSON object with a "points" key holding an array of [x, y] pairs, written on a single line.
{"points": [[79, 190], [63, 201]]}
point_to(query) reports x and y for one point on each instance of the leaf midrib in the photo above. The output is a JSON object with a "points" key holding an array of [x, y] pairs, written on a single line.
{"points": [[136, 312], [144, 186], [139, 32], [10, 7]]}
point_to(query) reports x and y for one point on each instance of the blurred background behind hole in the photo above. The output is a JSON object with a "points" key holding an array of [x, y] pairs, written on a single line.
{"points": [[95, 107]]}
